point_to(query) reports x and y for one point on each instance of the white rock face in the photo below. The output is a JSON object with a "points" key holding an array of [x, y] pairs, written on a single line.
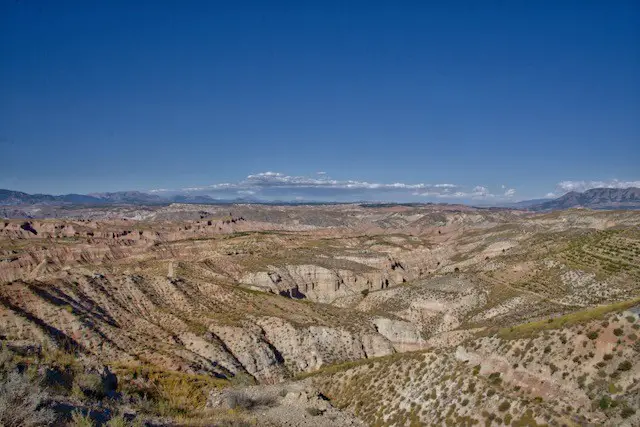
{"points": [[306, 349], [257, 355], [376, 345], [403, 335], [319, 283]]}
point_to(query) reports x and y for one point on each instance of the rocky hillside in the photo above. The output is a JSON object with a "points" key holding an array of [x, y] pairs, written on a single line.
{"points": [[231, 309], [580, 369]]}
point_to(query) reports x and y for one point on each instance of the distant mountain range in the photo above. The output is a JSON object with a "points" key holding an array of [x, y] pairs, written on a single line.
{"points": [[16, 198], [596, 198], [525, 204]]}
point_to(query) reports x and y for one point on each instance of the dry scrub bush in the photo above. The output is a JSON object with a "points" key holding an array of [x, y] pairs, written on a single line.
{"points": [[23, 402], [239, 400], [80, 420]]}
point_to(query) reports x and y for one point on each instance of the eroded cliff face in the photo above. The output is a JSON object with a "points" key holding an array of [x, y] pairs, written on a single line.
{"points": [[308, 348], [318, 283], [403, 335], [327, 285]]}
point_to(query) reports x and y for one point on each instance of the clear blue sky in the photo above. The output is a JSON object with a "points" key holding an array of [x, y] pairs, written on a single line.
{"points": [[118, 95]]}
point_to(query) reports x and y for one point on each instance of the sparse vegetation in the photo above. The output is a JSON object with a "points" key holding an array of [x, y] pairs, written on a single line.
{"points": [[78, 419], [627, 412], [23, 401], [625, 366], [528, 329], [504, 406], [193, 305], [314, 412]]}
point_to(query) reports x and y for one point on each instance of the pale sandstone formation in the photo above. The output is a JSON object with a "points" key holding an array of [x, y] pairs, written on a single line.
{"points": [[403, 335]]}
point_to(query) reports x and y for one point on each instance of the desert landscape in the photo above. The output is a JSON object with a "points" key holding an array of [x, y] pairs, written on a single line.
{"points": [[321, 315], [319, 213]]}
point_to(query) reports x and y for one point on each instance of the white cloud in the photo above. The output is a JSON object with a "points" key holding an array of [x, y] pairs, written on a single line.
{"points": [[276, 179], [551, 195], [277, 185], [222, 186], [580, 186], [480, 190], [456, 195]]}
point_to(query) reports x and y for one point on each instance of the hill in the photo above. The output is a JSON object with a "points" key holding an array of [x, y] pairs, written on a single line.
{"points": [[323, 315]]}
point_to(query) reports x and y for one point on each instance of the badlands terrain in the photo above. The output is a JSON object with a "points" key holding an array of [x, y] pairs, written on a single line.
{"points": [[320, 315]]}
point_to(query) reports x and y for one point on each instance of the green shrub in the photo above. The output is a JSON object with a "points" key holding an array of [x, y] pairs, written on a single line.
{"points": [[605, 402], [592, 335], [504, 406]]}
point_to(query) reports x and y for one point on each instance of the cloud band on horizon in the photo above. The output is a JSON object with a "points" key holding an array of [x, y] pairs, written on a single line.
{"points": [[274, 185]]}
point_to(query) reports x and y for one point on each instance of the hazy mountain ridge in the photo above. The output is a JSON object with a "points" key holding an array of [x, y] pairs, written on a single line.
{"points": [[595, 198], [17, 198]]}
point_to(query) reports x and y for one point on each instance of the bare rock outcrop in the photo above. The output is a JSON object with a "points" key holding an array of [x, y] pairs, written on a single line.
{"points": [[403, 335], [319, 283], [257, 355]]}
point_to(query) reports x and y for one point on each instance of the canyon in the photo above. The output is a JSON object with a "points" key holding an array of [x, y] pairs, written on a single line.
{"points": [[373, 308]]}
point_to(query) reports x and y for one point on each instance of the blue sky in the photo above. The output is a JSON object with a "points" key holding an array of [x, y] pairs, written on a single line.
{"points": [[502, 100]]}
